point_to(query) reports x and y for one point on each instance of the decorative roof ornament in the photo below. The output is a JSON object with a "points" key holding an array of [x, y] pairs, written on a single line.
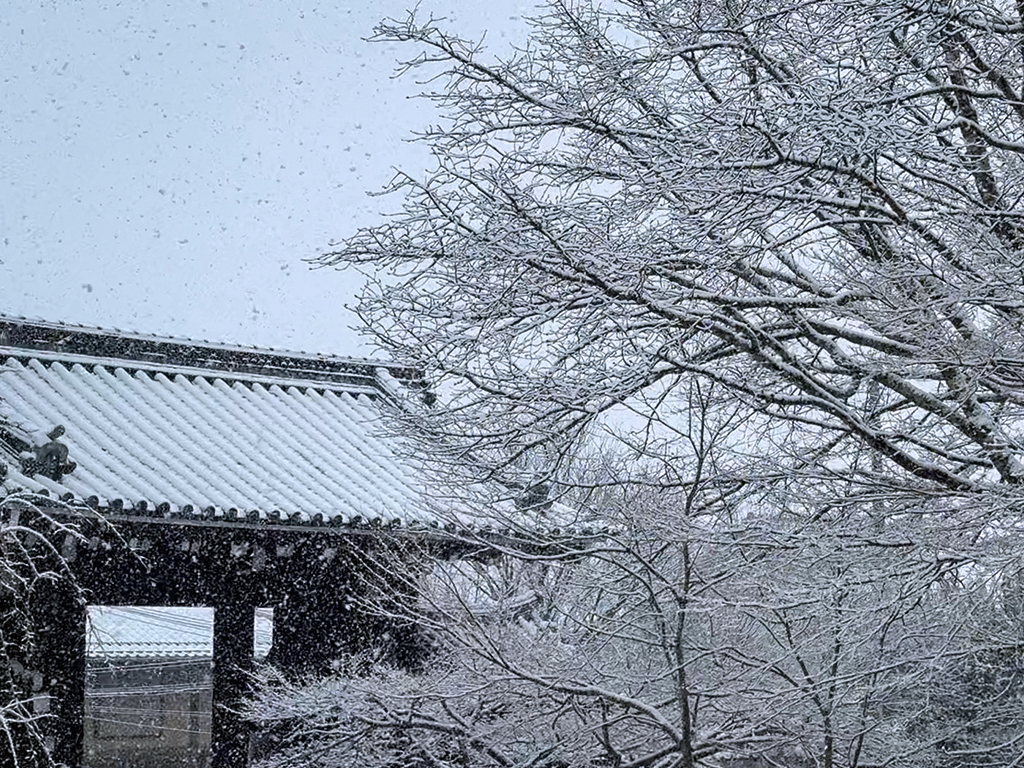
{"points": [[49, 459]]}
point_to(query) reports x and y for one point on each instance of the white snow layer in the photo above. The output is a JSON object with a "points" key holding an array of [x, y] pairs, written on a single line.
{"points": [[204, 441]]}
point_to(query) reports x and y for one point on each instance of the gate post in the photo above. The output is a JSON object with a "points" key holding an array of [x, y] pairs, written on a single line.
{"points": [[233, 636], [59, 617]]}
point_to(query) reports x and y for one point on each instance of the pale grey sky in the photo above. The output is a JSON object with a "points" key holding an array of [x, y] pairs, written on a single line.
{"points": [[166, 166]]}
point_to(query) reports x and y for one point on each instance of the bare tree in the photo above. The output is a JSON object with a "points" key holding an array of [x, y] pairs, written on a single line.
{"points": [[810, 210], [32, 572], [813, 205], [704, 626]]}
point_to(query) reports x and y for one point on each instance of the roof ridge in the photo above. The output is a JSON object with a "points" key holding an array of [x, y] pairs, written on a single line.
{"points": [[355, 383], [151, 352]]}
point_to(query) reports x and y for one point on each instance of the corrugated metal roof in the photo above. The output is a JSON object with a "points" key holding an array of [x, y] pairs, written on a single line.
{"points": [[280, 436]]}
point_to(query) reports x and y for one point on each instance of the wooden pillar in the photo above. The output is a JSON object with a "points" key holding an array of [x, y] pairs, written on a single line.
{"points": [[233, 637], [287, 636], [59, 616]]}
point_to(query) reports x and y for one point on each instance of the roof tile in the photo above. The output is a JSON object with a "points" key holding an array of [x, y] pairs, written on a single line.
{"points": [[203, 442]]}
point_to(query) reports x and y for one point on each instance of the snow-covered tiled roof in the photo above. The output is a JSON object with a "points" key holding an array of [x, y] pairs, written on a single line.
{"points": [[129, 632], [174, 428]]}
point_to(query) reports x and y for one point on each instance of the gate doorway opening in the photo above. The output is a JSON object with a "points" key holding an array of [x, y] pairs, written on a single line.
{"points": [[149, 685]]}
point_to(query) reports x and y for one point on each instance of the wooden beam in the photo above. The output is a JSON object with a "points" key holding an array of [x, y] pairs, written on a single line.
{"points": [[233, 638]]}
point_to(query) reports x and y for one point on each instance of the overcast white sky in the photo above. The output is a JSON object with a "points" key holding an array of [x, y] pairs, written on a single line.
{"points": [[166, 166]]}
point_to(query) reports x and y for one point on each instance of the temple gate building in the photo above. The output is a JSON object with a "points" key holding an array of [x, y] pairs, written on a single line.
{"points": [[200, 474]]}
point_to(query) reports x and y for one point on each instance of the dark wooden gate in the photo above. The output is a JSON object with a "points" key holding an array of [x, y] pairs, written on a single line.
{"points": [[313, 577]]}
